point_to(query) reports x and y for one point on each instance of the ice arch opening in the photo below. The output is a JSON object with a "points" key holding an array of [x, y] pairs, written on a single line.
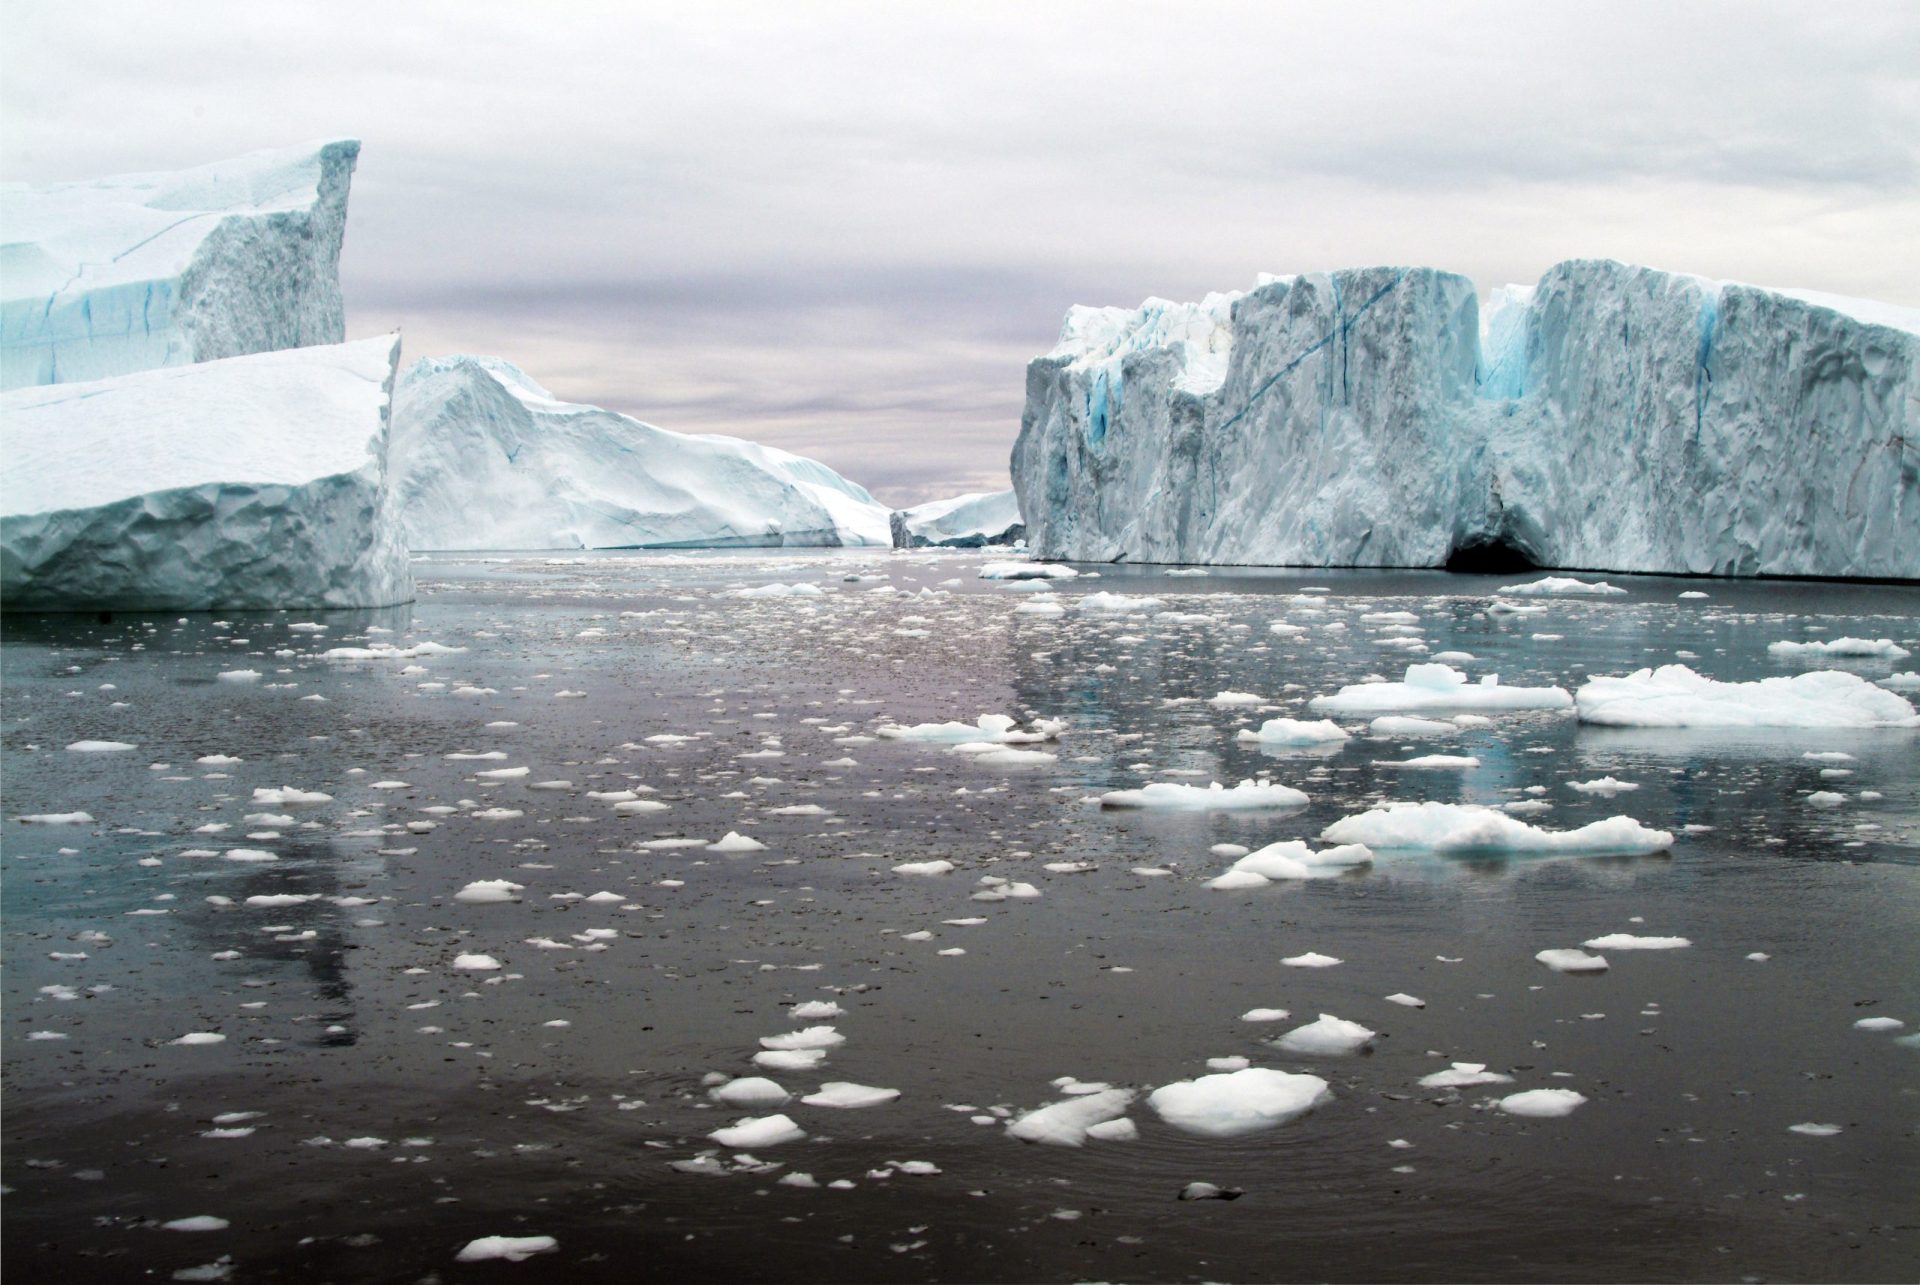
{"points": [[1496, 555]]}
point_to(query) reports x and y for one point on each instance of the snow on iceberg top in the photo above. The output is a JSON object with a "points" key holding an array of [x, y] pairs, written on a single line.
{"points": [[146, 227], [1200, 333], [276, 418]]}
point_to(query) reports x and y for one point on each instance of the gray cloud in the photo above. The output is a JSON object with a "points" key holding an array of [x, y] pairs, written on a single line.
{"points": [[843, 228]]}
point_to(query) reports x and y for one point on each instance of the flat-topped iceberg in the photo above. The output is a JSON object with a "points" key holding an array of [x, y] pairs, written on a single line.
{"points": [[1467, 829], [969, 521], [1438, 687], [1676, 696], [1215, 797], [139, 271], [247, 483], [485, 458], [1609, 418]]}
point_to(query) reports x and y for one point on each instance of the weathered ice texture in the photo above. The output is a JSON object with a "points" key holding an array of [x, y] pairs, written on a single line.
{"points": [[485, 458], [962, 522], [146, 270], [1609, 418], [253, 482]]}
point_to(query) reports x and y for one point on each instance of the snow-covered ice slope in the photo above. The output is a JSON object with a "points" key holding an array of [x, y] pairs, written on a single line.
{"points": [[252, 482], [145, 270], [485, 458], [962, 522], [1609, 418]]}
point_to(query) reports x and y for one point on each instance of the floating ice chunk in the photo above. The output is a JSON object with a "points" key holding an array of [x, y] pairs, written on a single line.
{"points": [[1541, 1102], [777, 590], [987, 754], [750, 1091], [514, 1249], [1825, 799], [1812, 1130], [1627, 941], [57, 818], [842, 1093], [200, 1037], [1328, 1036], [1462, 1075], [1236, 1102], [1312, 959], [1046, 608], [287, 796], [1206, 798], [1293, 731], [387, 651], [1405, 1000], [1264, 1015], [735, 842], [759, 1131], [256, 855], [1465, 828], [1066, 1124], [503, 773], [1117, 604], [1438, 687], [484, 892], [995, 729], [1225, 699], [476, 963], [939, 867], [1852, 647], [1238, 880], [812, 1037], [1879, 1024], [238, 676], [281, 900], [1561, 585], [789, 1059], [1433, 762], [1570, 960], [1026, 571], [1676, 696], [1606, 786], [1289, 859], [199, 1222], [1120, 1130], [1905, 681], [100, 747], [1407, 725]]}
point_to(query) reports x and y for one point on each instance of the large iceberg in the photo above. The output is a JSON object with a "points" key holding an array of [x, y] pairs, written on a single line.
{"points": [[144, 270], [963, 522], [485, 458], [252, 482], [1609, 418]]}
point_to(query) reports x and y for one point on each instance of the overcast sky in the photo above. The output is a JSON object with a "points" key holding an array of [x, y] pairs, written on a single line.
{"points": [[844, 228]]}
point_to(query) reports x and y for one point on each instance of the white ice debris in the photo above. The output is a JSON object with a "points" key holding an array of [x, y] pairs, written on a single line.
{"points": [[1541, 1102], [1471, 829], [1463, 1075], [751, 1091], [1236, 1102], [1606, 786], [1439, 687], [1068, 1123], [1627, 941], [735, 842], [483, 892], [1170, 796], [1026, 571], [1327, 1036], [936, 867], [1676, 696], [990, 729], [1570, 960], [1119, 604], [476, 963], [844, 1094], [100, 747], [1562, 586], [513, 1249], [1291, 731], [57, 818], [760, 1131], [1876, 648], [963, 521], [1289, 859]]}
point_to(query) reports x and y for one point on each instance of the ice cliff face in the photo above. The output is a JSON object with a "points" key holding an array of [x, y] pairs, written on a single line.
{"points": [[1609, 418], [962, 522], [146, 270], [251, 482], [485, 458]]}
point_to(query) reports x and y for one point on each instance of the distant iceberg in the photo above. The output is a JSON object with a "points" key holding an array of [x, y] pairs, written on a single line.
{"points": [[963, 522], [485, 458], [248, 483], [139, 271], [1609, 418]]}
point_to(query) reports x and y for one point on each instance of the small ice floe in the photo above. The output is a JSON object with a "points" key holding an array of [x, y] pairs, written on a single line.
{"points": [[996, 888], [248, 855], [487, 892], [789, 1059], [1232, 1103], [476, 963], [1438, 687], [750, 1091], [1627, 941], [1206, 798], [1026, 571], [387, 651], [778, 590], [1117, 604], [1812, 1130], [1905, 681], [1465, 828], [1433, 762], [199, 1222], [736, 842], [193, 1038], [514, 1249], [849, 1096], [1405, 1000], [1046, 607], [1225, 700], [1293, 732], [1289, 859], [1409, 725], [287, 796], [1605, 786], [1264, 1015], [1463, 1075], [1555, 586], [994, 729], [1499, 608], [1071, 1122], [238, 676], [987, 754], [1879, 648], [815, 1009], [1312, 959], [1328, 1036], [759, 1131], [1878, 1024], [937, 867], [1541, 1102], [808, 1038], [57, 818], [1572, 960], [1825, 799], [1676, 696], [100, 747]]}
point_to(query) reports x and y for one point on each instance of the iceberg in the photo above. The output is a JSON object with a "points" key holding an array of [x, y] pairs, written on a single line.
{"points": [[485, 458], [254, 482], [141, 271], [1610, 418], [1468, 829], [970, 521], [1435, 686], [1676, 696]]}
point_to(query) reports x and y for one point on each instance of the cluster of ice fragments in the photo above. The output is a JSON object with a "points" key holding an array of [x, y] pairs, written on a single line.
{"points": [[1610, 417], [967, 521]]}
